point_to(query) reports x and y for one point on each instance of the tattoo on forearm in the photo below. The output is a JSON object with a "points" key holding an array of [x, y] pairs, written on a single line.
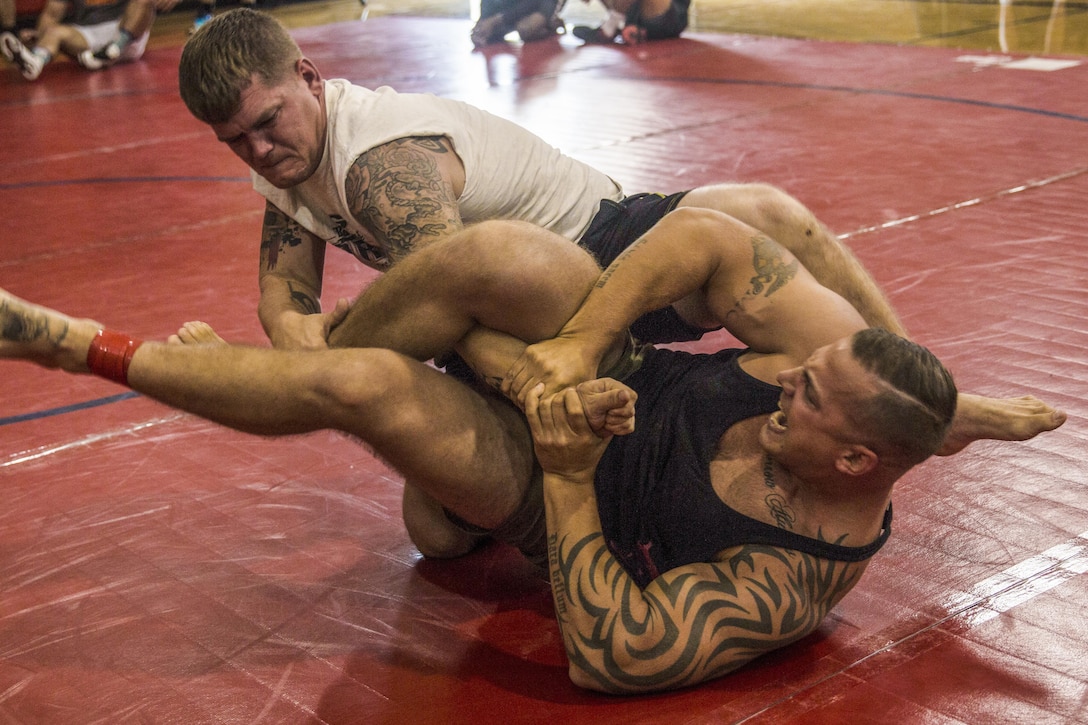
{"points": [[602, 280], [304, 300], [396, 190], [559, 577], [280, 232], [772, 272], [688, 626]]}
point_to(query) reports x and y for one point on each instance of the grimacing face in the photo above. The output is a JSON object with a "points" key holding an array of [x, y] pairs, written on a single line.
{"points": [[279, 130], [814, 420]]}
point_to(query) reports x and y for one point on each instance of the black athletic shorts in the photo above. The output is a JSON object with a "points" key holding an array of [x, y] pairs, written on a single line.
{"points": [[615, 227]]}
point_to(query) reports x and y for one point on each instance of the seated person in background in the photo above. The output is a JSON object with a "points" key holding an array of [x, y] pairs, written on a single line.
{"points": [[636, 21], [96, 35], [206, 11], [533, 19]]}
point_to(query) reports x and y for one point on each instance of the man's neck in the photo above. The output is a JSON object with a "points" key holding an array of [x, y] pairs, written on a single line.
{"points": [[834, 506]]}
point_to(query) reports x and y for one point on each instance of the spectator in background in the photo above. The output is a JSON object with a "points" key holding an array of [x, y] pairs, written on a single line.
{"points": [[96, 35], [532, 19], [636, 21]]}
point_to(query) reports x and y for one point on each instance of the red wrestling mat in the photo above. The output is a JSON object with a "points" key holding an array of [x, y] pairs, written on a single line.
{"points": [[155, 568]]}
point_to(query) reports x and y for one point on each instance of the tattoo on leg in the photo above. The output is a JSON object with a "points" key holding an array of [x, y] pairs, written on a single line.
{"points": [[22, 325]]}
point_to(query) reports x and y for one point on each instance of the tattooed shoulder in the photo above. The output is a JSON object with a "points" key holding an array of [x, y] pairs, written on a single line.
{"points": [[773, 266]]}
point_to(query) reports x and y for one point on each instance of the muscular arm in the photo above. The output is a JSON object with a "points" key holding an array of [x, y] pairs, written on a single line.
{"points": [[292, 260], [690, 624], [725, 273], [405, 192], [722, 272]]}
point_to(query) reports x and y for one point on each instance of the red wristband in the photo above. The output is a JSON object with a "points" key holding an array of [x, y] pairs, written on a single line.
{"points": [[110, 355]]}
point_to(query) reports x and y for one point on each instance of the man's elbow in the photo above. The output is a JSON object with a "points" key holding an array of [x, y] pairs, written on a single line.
{"points": [[639, 676], [621, 681]]}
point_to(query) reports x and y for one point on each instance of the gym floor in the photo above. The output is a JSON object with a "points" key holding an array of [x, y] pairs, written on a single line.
{"points": [[155, 568]]}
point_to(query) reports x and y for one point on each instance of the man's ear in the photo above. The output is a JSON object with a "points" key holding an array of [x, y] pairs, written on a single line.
{"points": [[310, 74], [856, 461]]}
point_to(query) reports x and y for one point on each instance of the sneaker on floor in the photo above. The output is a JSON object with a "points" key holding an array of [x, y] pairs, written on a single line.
{"points": [[87, 60], [30, 65], [592, 35], [104, 57]]}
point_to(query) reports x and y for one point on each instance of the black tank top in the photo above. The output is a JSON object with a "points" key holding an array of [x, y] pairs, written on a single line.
{"points": [[658, 507]]}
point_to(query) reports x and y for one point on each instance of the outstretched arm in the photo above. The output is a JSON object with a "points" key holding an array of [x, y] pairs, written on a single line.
{"points": [[720, 271], [786, 220], [689, 625]]}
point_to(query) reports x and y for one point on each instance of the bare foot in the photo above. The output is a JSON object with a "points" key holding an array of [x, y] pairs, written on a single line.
{"points": [[196, 333], [44, 336], [1003, 419]]}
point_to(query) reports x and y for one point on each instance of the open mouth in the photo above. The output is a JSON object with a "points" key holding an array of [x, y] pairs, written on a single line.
{"points": [[777, 422]]}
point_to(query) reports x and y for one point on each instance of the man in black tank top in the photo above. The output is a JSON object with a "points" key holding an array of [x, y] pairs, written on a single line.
{"points": [[756, 483]]}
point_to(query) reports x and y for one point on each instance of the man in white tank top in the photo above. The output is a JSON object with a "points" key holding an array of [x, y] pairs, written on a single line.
{"points": [[381, 174]]}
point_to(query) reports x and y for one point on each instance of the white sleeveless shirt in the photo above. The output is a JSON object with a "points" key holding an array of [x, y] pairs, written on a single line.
{"points": [[509, 172]]}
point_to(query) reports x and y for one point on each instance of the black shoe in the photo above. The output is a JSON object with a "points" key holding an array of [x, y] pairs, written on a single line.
{"points": [[592, 35]]}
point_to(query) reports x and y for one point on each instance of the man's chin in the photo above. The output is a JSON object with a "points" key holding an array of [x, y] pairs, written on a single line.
{"points": [[282, 182], [284, 179]]}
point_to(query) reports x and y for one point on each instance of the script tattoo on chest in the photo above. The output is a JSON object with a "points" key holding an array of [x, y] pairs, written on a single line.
{"points": [[781, 512], [783, 515]]}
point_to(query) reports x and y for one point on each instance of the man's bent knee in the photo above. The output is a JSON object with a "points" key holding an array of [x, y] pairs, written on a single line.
{"points": [[762, 206]]}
